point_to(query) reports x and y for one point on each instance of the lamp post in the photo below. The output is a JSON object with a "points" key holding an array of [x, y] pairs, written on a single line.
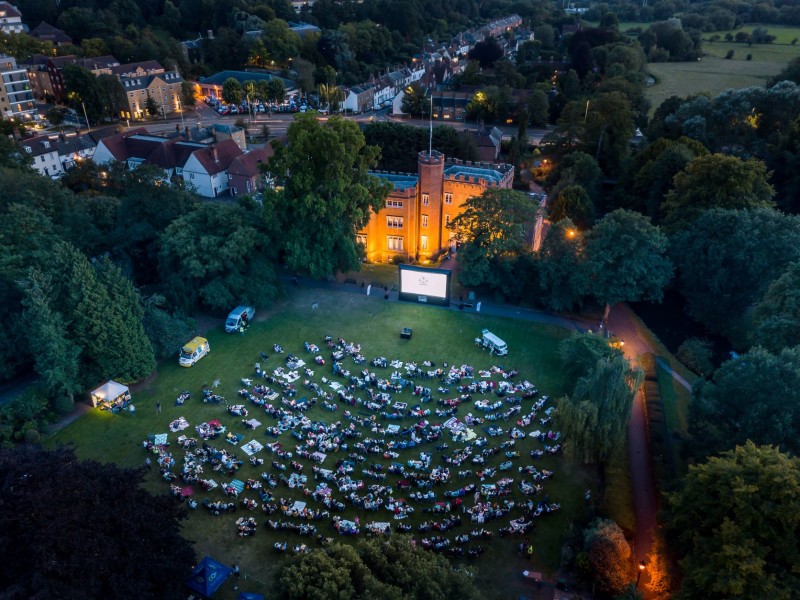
{"points": [[642, 567]]}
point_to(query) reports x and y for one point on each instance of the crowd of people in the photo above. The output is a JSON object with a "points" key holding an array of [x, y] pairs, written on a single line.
{"points": [[351, 464]]}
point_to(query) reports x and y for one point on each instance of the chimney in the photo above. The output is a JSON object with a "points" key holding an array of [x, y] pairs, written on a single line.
{"points": [[214, 154]]}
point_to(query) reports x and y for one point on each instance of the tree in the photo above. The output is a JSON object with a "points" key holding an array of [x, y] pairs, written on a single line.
{"points": [[776, 318], [577, 168], [166, 331], [626, 258], [328, 197], [486, 52], [151, 106], [276, 91], [594, 418], [491, 226], [232, 91], [736, 522], [58, 537], [729, 410], [573, 203], [188, 97], [580, 352], [561, 274], [56, 356], [727, 259], [609, 555], [281, 42], [716, 181], [218, 256], [696, 354], [416, 100], [376, 568], [82, 90], [609, 126]]}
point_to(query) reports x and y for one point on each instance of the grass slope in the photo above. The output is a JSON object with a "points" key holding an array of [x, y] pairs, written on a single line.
{"points": [[439, 335]]}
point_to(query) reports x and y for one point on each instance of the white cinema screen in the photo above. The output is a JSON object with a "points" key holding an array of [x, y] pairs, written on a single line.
{"points": [[419, 284]]}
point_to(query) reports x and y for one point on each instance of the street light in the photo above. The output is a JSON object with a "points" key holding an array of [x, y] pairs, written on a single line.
{"points": [[642, 567]]}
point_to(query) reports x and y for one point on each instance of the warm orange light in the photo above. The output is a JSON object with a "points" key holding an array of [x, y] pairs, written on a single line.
{"points": [[570, 233], [642, 566]]}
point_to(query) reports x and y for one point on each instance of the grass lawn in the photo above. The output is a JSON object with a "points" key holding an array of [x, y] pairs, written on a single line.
{"points": [[712, 75], [438, 335]]}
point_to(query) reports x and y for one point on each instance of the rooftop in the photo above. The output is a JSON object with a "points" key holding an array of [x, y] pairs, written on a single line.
{"points": [[400, 181], [491, 175]]}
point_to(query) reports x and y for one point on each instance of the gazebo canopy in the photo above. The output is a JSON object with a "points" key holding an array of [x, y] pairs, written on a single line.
{"points": [[208, 576], [109, 391]]}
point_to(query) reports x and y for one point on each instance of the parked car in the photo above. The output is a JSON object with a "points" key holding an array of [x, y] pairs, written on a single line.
{"points": [[234, 109], [239, 317]]}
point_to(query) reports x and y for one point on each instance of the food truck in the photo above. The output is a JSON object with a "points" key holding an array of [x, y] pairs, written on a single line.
{"points": [[193, 351]]}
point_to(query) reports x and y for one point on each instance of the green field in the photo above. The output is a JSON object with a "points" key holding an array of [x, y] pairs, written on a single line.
{"points": [[439, 335], [710, 75]]}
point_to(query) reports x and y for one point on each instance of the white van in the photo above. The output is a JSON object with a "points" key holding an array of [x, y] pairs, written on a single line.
{"points": [[493, 343], [239, 317]]}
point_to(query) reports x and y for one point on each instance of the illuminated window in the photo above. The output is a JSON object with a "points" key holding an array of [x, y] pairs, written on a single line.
{"points": [[394, 242], [448, 198], [394, 222], [425, 199], [423, 242], [424, 220]]}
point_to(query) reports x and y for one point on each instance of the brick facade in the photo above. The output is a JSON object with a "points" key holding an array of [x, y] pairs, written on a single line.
{"points": [[414, 221]]}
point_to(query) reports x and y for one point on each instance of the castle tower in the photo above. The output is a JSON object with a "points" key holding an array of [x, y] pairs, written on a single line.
{"points": [[429, 202]]}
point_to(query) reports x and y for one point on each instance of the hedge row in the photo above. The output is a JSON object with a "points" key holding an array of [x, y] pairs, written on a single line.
{"points": [[656, 422]]}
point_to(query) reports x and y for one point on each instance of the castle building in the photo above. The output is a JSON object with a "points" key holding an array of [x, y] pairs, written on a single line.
{"points": [[414, 221]]}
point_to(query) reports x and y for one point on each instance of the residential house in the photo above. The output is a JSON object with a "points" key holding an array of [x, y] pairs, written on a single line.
{"points": [[488, 141], [298, 5], [10, 19], [137, 147], [385, 91], [74, 148], [359, 99], [16, 97], [450, 106], [414, 220], [206, 170], [245, 175], [44, 153], [47, 33], [137, 69], [164, 88], [39, 77], [98, 65]]}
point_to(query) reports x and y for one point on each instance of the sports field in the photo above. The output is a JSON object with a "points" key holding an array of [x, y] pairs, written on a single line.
{"points": [[439, 336]]}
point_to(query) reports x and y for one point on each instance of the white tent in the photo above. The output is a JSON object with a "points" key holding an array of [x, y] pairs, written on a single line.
{"points": [[109, 392]]}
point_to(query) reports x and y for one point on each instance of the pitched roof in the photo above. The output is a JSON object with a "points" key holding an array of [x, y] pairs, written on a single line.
{"points": [[131, 69], [9, 10], [45, 31], [248, 164], [144, 82], [217, 157], [95, 63], [39, 145], [116, 145]]}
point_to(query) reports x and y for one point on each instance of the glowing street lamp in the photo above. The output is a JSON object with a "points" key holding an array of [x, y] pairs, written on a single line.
{"points": [[642, 567]]}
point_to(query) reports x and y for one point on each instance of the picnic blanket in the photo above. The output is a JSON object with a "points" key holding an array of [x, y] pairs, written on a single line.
{"points": [[211, 484], [400, 405], [454, 424], [393, 429], [253, 423], [298, 506], [234, 438], [535, 434], [336, 386], [178, 424], [237, 485], [318, 457], [291, 376], [252, 447], [160, 439]]}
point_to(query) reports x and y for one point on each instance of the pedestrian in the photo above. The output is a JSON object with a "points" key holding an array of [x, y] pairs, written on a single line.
{"points": [[158, 407], [149, 463], [132, 409], [236, 571]]}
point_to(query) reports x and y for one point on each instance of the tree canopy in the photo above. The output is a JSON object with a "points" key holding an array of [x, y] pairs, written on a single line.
{"points": [[776, 318], [716, 181], [727, 260], [83, 529], [753, 397], [376, 568], [626, 259], [735, 520], [327, 196], [562, 278]]}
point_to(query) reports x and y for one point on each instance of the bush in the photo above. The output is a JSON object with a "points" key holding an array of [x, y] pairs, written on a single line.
{"points": [[64, 405], [749, 57], [696, 354], [33, 437], [729, 55]]}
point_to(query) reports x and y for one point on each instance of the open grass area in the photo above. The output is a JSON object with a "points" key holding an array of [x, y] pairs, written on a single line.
{"points": [[438, 335], [711, 75], [780, 54]]}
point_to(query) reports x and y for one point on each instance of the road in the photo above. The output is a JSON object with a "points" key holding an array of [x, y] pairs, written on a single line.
{"points": [[278, 123]]}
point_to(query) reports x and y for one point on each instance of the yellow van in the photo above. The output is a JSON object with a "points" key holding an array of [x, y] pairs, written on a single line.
{"points": [[193, 351]]}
